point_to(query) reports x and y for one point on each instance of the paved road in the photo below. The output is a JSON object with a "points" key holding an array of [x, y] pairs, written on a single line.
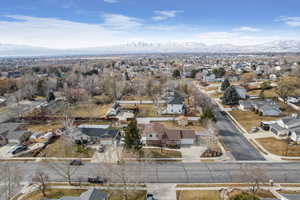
{"points": [[239, 146], [175, 172]]}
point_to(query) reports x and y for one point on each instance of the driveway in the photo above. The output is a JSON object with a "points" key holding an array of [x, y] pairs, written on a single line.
{"points": [[192, 154], [111, 155]]}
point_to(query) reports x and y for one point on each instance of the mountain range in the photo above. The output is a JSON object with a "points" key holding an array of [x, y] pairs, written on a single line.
{"points": [[144, 47]]}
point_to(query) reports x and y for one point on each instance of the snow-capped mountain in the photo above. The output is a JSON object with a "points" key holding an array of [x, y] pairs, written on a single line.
{"points": [[145, 47]]}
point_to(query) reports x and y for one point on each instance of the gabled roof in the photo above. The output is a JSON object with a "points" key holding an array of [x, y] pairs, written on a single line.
{"points": [[176, 100]]}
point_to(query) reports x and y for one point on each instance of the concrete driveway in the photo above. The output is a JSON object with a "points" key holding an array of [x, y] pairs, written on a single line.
{"points": [[192, 154]]}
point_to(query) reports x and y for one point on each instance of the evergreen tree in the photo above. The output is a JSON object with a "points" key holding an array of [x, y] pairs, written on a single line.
{"points": [[231, 97], [132, 137], [225, 85], [51, 96], [176, 73]]}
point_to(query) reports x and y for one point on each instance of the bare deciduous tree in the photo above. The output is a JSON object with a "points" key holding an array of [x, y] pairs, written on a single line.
{"points": [[10, 178], [41, 179], [255, 176]]}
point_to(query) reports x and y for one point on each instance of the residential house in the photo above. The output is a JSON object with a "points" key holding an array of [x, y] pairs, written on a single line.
{"points": [[96, 134], [175, 105], [266, 107], [241, 92], [12, 133], [295, 135], [285, 126], [245, 105], [91, 194], [155, 134]]}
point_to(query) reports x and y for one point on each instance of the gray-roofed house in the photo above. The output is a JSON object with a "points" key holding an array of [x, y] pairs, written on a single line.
{"points": [[11, 133], [295, 135], [245, 105], [94, 134], [266, 107], [175, 106], [241, 92], [91, 194]]}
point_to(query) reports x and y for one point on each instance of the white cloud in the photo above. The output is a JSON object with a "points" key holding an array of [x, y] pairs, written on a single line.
{"points": [[111, 1], [121, 22], [246, 29], [165, 14], [290, 21], [234, 38], [54, 33]]}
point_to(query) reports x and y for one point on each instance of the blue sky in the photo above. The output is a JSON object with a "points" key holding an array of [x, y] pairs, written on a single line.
{"points": [[91, 23]]}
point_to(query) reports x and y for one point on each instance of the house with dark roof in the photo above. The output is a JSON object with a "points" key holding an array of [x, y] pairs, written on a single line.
{"points": [[12, 133], [91, 194], [96, 134], [155, 134], [175, 105]]}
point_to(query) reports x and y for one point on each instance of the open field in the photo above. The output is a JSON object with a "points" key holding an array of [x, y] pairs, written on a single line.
{"points": [[198, 195], [60, 148], [279, 147], [191, 126], [58, 193], [249, 119]]}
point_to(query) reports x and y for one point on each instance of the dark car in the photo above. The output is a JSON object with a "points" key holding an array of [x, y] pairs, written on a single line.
{"points": [[97, 179], [150, 196], [76, 162], [19, 149]]}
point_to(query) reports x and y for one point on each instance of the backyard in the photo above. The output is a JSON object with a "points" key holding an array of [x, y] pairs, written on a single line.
{"points": [[279, 147]]}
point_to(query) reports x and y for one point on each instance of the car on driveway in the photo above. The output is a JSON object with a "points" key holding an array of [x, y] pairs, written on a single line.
{"points": [[19, 149], [76, 162], [101, 148], [97, 180]]}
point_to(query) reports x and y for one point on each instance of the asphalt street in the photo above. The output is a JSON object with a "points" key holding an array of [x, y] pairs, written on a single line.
{"points": [[170, 172], [239, 146]]}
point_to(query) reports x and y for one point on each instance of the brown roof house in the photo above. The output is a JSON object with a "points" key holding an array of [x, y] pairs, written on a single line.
{"points": [[155, 134]]}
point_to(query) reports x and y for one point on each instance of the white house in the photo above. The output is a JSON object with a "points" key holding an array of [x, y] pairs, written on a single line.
{"points": [[295, 135], [175, 106]]}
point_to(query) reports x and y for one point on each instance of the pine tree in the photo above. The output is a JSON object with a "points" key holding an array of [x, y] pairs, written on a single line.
{"points": [[132, 137], [225, 85], [231, 97]]}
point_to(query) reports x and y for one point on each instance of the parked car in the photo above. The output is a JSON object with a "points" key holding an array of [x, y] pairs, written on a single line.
{"points": [[76, 162], [150, 196], [19, 149], [101, 148], [97, 179]]}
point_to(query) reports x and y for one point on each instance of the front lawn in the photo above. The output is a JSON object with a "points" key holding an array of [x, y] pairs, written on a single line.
{"points": [[249, 119], [62, 149], [279, 147], [161, 153], [198, 195]]}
